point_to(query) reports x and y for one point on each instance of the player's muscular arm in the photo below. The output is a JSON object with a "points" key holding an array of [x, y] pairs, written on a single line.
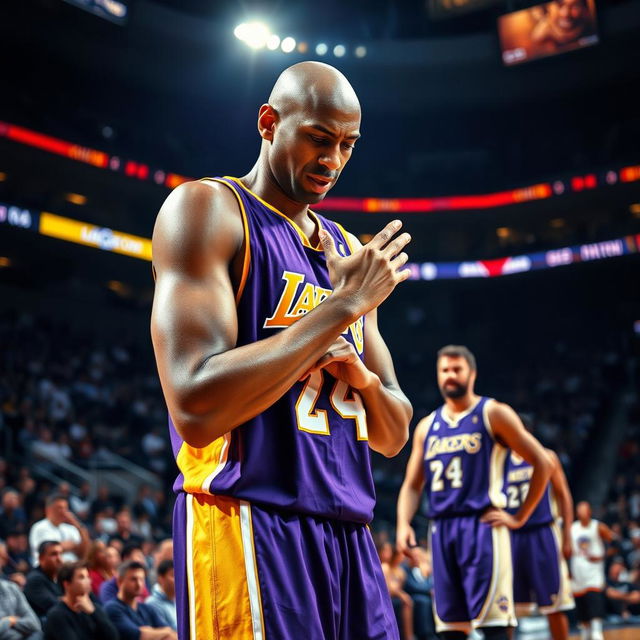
{"points": [[509, 430], [210, 385], [411, 490], [565, 501]]}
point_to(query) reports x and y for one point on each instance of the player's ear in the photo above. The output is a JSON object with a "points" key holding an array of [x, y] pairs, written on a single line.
{"points": [[267, 118]]}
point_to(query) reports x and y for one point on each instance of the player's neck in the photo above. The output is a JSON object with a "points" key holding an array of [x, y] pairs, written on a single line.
{"points": [[456, 406], [263, 184]]}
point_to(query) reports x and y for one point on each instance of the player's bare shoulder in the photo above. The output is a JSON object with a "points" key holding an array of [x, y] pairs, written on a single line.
{"points": [[199, 219], [500, 413]]}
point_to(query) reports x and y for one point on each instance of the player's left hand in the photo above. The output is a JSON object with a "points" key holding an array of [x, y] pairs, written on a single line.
{"points": [[500, 518], [343, 363], [567, 550]]}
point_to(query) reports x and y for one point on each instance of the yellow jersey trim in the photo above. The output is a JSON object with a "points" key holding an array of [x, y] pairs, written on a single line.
{"points": [[246, 260], [299, 231]]}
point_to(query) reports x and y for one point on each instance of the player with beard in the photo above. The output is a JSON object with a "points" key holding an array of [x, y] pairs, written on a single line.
{"points": [[459, 454]]}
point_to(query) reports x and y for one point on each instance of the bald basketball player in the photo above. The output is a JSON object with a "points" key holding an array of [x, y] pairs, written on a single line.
{"points": [[278, 382]]}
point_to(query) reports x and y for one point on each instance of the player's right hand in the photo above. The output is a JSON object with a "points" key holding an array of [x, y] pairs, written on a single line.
{"points": [[370, 274], [406, 540]]}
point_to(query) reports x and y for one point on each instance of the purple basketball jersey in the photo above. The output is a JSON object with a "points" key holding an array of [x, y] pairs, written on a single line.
{"points": [[517, 479], [463, 463], [309, 451]]}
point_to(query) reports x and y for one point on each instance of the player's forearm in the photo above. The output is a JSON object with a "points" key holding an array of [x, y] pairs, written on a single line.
{"points": [[566, 513], [234, 386], [388, 415], [408, 503], [542, 469]]}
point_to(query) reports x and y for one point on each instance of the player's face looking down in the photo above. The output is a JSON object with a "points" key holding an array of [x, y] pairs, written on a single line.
{"points": [[454, 376], [309, 148]]}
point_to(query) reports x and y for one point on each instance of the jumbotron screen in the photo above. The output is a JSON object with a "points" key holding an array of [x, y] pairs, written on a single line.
{"points": [[547, 29]]}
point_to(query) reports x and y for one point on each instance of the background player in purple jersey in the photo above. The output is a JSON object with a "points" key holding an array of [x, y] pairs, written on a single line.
{"points": [[458, 457], [539, 548], [278, 382]]}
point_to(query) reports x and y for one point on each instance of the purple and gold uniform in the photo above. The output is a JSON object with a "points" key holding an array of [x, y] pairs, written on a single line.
{"points": [[270, 519], [540, 573], [464, 473]]}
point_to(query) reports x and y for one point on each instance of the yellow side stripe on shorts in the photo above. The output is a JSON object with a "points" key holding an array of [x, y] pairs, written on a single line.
{"points": [[219, 591]]}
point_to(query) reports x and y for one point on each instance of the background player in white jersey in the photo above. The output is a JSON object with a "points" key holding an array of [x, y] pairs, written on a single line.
{"points": [[588, 537], [459, 454]]}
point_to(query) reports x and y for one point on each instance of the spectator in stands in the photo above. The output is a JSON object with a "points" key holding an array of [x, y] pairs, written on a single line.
{"points": [[61, 525], [18, 558], [101, 565], [109, 588], [124, 532], [132, 618], [395, 578], [42, 589], [12, 515], [81, 504], [17, 619], [103, 503], [623, 598], [76, 616], [163, 595], [634, 555], [419, 585]]}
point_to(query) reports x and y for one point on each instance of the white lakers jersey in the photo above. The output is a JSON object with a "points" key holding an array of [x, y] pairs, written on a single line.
{"points": [[586, 543]]}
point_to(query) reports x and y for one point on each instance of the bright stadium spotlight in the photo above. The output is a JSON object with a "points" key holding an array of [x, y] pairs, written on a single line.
{"points": [[273, 42], [253, 34], [360, 51], [322, 48], [240, 31], [288, 44], [339, 50]]}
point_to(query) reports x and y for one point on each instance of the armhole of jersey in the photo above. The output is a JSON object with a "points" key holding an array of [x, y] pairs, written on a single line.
{"points": [[246, 260], [345, 235], [430, 418], [485, 419]]}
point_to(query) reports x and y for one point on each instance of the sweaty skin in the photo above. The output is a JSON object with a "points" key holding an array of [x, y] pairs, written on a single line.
{"points": [[308, 131]]}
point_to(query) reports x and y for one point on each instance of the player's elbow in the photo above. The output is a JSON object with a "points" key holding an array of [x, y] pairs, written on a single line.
{"points": [[391, 446], [198, 430], [545, 465]]}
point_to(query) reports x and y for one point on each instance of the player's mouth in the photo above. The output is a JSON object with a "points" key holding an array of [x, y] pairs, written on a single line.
{"points": [[319, 184]]}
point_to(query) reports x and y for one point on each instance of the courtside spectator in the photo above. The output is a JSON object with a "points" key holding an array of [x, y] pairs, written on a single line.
{"points": [[18, 562], [163, 595], [623, 597], [133, 619], [109, 588], [17, 619], [42, 589], [61, 525], [124, 532], [419, 585], [102, 565], [76, 616]]}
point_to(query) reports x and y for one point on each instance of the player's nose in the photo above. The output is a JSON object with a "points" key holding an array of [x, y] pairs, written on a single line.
{"points": [[330, 159]]}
